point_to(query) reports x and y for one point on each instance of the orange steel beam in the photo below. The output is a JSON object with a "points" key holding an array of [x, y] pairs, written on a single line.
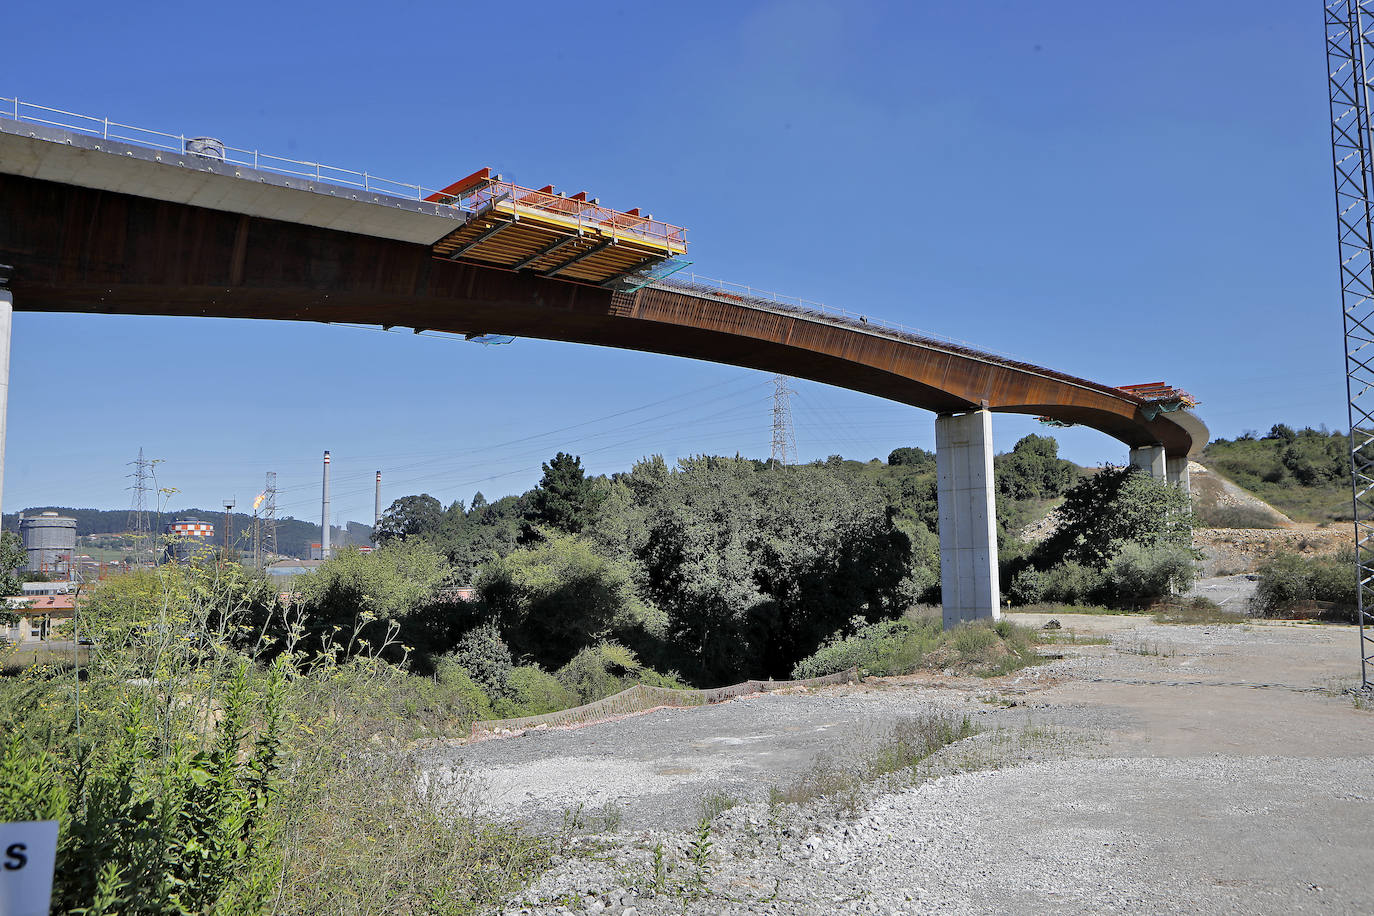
{"points": [[462, 185], [75, 249]]}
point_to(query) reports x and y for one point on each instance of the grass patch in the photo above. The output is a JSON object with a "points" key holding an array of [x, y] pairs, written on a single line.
{"points": [[1002, 747], [907, 743], [893, 647], [1146, 647], [1234, 517], [1070, 638], [1055, 608], [605, 819], [1199, 610], [714, 804]]}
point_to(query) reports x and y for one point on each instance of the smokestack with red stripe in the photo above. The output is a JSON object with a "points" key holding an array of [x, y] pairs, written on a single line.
{"points": [[377, 510], [324, 513]]}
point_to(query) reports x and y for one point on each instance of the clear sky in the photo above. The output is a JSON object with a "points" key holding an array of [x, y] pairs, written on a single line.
{"points": [[1128, 192]]}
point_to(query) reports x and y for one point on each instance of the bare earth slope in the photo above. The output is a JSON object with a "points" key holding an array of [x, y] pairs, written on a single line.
{"points": [[1179, 769]]}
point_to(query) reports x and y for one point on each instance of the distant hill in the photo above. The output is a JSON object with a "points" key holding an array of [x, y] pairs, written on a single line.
{"points": [[294, 536], [1303, 473]]}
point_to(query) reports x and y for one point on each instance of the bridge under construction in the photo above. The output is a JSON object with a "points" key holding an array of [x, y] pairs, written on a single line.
{"points": [[101, 217]]}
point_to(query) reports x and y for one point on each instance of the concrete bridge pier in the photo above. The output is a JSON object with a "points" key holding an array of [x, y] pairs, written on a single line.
{"points": [[969, 587], [6, 320], [1176, 470], [1150, 459]]}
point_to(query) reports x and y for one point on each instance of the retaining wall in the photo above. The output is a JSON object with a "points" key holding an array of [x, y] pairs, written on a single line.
{"points": [[640, 699]]}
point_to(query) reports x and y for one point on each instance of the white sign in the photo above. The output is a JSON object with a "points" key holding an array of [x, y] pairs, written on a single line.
{"points": [[28, 855]]}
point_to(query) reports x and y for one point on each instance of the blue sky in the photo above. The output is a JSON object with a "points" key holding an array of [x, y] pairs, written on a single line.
{"points": [[1127, 192]]}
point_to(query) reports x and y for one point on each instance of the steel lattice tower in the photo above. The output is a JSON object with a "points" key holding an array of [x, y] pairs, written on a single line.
{"points": [[138, 521], [784, 440], [268, 545], [1348, 50]]}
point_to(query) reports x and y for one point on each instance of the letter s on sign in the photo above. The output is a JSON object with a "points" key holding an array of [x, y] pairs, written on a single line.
{"points": [[15, 857]]}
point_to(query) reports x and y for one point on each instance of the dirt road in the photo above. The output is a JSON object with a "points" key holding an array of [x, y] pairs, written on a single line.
{"points": [[1176, 769]]}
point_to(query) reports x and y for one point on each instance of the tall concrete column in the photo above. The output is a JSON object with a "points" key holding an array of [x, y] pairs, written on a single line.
{"points": [[969, 589], [6, 319], [1177, 471], [1150, 459], [324, 512]]}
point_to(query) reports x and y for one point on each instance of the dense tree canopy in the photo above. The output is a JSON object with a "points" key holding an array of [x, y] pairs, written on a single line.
{"points": [[565, 499], [754, 566], [720, 568], [1304, 473], [556, 596]]}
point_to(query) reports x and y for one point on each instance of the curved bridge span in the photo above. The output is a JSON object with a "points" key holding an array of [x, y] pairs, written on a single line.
{"points": [[92, 225]]}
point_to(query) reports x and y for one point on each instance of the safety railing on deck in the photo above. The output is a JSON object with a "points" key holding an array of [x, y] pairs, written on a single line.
{"points": [[106, 129], [752, 295], [553, 204]]}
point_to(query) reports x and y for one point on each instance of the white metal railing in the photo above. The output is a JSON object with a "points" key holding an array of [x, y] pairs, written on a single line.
{"points": [[793, 304], [106, 129]]}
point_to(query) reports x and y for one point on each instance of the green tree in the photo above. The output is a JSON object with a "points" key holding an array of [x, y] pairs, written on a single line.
{"points": [[487, 659], [407, 517], [1116, 506], [1282, 431], [1032, 470], [911, 457], [486, 532], [565, 499], [354, 601], [755, 567], [12, 558], [556, 596]]}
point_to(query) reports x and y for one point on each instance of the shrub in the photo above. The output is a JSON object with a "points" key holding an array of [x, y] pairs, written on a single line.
{"points": [[1235, 517], [536, 691], [146, 829], [886, 647], [607, 668], [487, 659], [1141, 574], [1027, 587], [972, 642], [463, 696], [1324, 586], [1072, 583], [893, 647]]}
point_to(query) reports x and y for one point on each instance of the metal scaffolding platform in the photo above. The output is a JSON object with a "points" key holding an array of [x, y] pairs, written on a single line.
{"points": [[566, 236]]}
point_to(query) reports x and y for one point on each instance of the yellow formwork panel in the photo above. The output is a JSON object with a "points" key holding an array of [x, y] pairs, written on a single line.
{"points": [[569, 237]]}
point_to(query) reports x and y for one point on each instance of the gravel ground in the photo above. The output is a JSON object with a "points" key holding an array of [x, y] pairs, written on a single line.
{"points": [[1178, 769]]}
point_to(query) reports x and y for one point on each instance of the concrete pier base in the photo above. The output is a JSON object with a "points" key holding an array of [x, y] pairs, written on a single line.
{"points": [[1150, 459], [969, 588], [1177, 471]]}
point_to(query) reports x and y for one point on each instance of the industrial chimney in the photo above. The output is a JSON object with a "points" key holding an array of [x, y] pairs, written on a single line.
{"points": [[377, 510], [324, 513]]}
